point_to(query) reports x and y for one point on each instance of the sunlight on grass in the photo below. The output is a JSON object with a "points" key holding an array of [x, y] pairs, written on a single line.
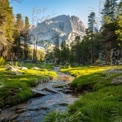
{"points": [[79, 71]]}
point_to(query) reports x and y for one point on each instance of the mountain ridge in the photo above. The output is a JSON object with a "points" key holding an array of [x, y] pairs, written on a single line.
{"points": [[58, 29]]}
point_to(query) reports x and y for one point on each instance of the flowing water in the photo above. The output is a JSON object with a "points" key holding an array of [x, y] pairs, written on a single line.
{"points": [[54, 95]]}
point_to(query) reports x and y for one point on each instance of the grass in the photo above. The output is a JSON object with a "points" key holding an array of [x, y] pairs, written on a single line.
{"points": [[15, 89], [87, 70], [100, 101]]}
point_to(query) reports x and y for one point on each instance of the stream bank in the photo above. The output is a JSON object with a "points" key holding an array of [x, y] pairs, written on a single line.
{"points": [[54, 95]]}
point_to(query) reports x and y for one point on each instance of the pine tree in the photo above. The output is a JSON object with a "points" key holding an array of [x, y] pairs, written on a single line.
{"points": [[110, 9], [18, 36], [91, 29], [6, 28], [26, 37], [119, 25]]}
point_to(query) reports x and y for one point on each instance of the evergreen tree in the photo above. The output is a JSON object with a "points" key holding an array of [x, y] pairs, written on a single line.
{"points": [[18, 36], [119, 25], [109, 27], [91, 29], [6, 29], [26, 37]]}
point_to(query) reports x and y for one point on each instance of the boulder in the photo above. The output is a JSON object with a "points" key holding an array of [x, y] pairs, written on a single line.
{"points": [[67, 91], [12, 68], [37, 93], [12, 73], [15, 73], [36, 68], [49, 89], [59, 85], [3, 119], [24, 68], [20, 111], [117, 80], [63, 104], [13, 117]]}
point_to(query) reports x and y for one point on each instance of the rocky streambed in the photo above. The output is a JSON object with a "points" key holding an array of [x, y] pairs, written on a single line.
{"points": [[54, 95]]}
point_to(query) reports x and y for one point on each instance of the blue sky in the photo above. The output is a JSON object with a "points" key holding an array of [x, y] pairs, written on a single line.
{"points": [[39, 10]]}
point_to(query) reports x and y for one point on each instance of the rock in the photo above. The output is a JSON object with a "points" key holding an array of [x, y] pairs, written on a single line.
{"points": [[67, 91], [3, 119], [19, 73], [50, 90], [37, 108], [24, 68], [63, 104], [13, 117], [34, 109], [117, 80], [20, 111], [59, 85], [43, 107], [11, 68], [57, 69], [36, 68], [38, 93], [15, 73], [20, 107], [12, 73]]}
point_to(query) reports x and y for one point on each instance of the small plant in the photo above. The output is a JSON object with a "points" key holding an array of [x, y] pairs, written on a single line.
{"points": [[2, 61]]}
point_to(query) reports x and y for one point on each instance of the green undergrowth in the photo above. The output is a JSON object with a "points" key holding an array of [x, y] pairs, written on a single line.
{"points": [[100, 100], [15, 89]]}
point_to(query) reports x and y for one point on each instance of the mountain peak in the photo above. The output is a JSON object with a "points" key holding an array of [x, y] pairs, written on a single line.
{"points": [[60, 28]]}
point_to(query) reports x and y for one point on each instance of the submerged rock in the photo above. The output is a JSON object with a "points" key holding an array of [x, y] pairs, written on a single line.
{"points": [[37, 93], [13, 117], [20, 111], [49, 89]]}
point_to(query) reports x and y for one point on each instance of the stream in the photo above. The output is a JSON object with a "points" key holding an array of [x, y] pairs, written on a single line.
{"points": [[54, 95]]}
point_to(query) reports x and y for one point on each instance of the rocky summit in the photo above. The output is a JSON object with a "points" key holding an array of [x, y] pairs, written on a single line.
{"points": [[57, 30]]}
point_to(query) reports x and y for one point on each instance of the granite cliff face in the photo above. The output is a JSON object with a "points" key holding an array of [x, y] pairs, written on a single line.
{"points": [[57, 30]]}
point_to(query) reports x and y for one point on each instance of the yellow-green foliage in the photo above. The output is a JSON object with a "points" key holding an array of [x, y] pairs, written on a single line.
{"points": [[86, 70]]}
